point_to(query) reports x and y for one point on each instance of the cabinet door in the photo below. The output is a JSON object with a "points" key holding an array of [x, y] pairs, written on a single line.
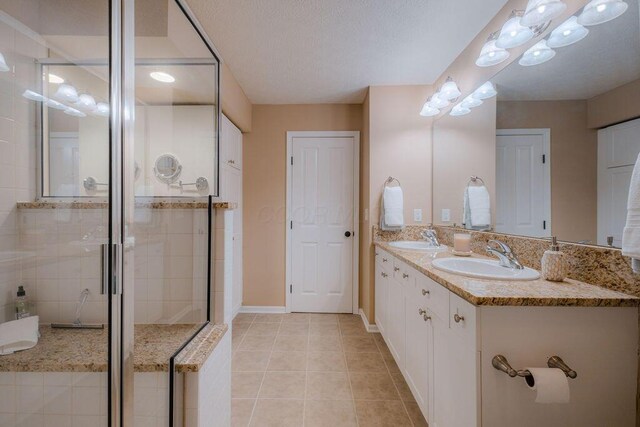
{"points": [[382, 277], [396, 320], [419, 349], [230, 144], [237, 272]]}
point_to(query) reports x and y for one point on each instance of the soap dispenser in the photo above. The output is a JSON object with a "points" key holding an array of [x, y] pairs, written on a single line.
{"points": [[554, 266], [22, 304]]}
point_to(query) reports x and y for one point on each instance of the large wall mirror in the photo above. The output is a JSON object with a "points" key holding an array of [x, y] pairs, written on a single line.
{"points": [[557, 145]]}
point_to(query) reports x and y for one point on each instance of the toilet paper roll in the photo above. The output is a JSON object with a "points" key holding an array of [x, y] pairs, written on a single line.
{"points": [[551, 385]]}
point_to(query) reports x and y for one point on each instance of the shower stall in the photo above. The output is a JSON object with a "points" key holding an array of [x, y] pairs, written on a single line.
{"points": [[109, 113]]}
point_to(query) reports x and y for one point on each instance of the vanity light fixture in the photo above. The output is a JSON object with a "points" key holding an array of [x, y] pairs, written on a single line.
{"points": [[3, 64], [471, 102], [485, 91], [569, 32], [162, 77], [73, 112], [490, 53], [55, 104], [102, 109], [459, 110], [85, 102], [428, 110], [437, 101], [449, 90], [513, 33], [66, 93], [538, 54], [33, 96], [55, 79], [539, 12], [601, 11]]}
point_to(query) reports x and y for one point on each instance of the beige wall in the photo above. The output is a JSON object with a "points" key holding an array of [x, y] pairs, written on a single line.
{"points": [[397, 143], [615, 106], [235, 104], [366, 258], [463, 146], [574, 154], [264, 189]]}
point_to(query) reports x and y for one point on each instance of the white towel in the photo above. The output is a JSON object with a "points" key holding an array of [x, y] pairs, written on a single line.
{"points": [[393, 206], [479, 206], [18, 335], [631, 233]]}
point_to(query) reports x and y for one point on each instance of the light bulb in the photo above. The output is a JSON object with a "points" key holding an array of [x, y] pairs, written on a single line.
{"points": [[428, 110], [73, 112], [55, 104], [539, 12], [485, 91], [66, 93], [513, 34], [33, 96], [438, 102], [55, 79], [449, 90], [162, 77], [601, 11], [471, 102], [102, 109], [3, 64], [459, 110], [538, 54], [569, 32], [491, 55], [86, 102]]}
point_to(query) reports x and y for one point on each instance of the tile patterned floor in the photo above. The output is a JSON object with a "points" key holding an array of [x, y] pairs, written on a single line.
{"points": [[315, 370]]}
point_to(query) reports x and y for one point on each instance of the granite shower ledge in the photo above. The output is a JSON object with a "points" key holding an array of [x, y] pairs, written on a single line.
{"points": [[541, 293], [45, 204], [85, 350]]}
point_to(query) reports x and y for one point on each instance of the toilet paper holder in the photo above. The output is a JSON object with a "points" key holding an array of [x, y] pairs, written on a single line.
{"points": [[501, 363]]}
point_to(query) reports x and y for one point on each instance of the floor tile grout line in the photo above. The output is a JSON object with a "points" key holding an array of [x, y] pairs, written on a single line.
{"points": [[346, 366], [396, 387]]}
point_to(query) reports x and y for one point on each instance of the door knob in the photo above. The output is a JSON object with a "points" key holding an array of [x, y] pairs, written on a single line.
{"points": [[347, 234]]}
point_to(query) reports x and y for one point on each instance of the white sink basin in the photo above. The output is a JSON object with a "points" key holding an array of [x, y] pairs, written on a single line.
{"points": [[483, 269], [417, 246]]}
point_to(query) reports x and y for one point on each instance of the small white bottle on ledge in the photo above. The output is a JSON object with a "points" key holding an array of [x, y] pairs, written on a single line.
{"points": [[554, 266]]}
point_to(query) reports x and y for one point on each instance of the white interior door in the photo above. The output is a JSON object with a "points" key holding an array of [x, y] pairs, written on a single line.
{"points": [[618, 148], [523, 196], [322, 240]]}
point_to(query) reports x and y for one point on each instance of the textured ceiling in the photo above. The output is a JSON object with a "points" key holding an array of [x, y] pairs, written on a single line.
{"points": [[315, 51], [607, 58]]}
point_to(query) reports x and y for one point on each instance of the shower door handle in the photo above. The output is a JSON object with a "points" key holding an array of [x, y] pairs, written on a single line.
{"points": [[113, 252], [104, 268]]}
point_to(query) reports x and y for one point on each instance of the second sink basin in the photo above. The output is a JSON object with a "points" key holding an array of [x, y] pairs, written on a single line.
{"points": [[410, 245], [483, 269]]}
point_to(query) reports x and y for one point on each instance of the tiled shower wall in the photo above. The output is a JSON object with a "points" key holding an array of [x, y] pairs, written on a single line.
{"points": [[17, 152], [63, 249]]}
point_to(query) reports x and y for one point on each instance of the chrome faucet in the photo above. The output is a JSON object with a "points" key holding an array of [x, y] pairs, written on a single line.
{"points": [[431, 236], [505, 255]]}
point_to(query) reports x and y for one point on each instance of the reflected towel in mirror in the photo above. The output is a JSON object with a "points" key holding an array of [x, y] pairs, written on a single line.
{"points": [[631, 233], [477, 207]]}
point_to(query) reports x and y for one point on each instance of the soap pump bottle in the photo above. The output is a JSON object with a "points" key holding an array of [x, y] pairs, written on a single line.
{"points": [[22, 304], [554, 266]]}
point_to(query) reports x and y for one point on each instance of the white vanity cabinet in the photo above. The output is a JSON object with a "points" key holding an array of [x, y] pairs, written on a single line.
{"points": [[444, 346]]}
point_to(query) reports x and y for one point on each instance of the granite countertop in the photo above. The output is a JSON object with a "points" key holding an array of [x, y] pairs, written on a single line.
{"points": [[149, 204], [538, 292], [85, 350]]}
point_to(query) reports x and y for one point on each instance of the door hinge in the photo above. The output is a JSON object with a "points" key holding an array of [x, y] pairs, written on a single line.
{"points": [[291, 160], [291, 225], [290, 289], [544, 225], [544, 158]]}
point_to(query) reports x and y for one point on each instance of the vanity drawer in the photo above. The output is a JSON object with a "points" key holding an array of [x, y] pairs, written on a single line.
{"points": [[435, 295], [403, 273], [462, 317]]}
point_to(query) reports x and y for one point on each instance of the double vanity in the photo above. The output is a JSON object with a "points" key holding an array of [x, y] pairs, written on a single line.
{"points": [[445, 325]]}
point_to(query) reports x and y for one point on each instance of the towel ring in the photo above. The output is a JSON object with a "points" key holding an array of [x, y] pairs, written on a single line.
{"points": [[475, 180], [390, 180]]}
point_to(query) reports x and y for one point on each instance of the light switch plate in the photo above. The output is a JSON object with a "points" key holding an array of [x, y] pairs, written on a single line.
{"points": [[417, 215], [446, 215]]}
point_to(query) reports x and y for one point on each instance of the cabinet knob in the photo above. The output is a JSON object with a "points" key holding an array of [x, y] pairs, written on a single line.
{"points": [[383, 274], [405, 275], [425, 292], [384, 260], [426, 318], [421, 311], [457, 318], [396, 268]]}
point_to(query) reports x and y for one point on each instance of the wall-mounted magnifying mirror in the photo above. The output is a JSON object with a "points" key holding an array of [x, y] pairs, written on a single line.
{"points": [[167, 168]]}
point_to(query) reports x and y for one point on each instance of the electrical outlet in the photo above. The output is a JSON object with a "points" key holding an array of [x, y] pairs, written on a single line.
{"points": [[446, 215], [366, 214], [417, 215]]}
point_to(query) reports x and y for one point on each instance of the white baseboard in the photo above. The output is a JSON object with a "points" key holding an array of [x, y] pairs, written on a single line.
{"points": [[262, 309], [370, 327], [235, 311]]}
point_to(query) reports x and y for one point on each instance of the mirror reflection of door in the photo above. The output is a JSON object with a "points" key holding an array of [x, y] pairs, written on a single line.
{"points": [[64, 166], [523, 191]]}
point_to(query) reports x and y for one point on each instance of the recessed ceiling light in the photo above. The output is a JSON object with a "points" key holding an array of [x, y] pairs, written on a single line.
{"points": [[55, 79], [162, 77]]}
